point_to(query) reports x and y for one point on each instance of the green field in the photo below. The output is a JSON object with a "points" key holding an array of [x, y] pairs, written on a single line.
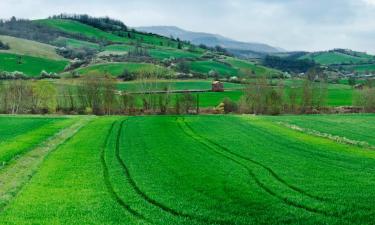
{"points": [[179, 85], [246, 68], [30, 48], [201, 170], [351, 127], [30, 65], [73, 43], [205, 67], [329, 58], [74, 27], [361, 68], [166, 53], [116, 69], [18, 135]]}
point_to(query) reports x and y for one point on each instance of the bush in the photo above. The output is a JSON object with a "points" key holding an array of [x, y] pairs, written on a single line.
{"points": [[4, 46], [230, 106]]}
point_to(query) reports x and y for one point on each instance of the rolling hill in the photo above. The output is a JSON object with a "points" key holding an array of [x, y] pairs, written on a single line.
{"points": [[210, 40], [339, 56]]}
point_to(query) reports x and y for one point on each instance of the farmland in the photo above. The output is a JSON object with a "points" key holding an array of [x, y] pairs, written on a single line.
{"points": [[197, 170], [30, 65]]}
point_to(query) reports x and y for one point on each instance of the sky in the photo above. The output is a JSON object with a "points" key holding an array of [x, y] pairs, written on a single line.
{"points": [[310, 25]]}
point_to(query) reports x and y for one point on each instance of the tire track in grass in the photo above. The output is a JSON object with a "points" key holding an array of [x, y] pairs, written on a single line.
{"points": [[107, 181], [18, 173], [149, 199], [268, 169], [197, 137]]}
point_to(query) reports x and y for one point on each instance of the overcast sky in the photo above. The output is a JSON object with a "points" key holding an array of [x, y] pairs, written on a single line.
{"points": [[290, 24]]}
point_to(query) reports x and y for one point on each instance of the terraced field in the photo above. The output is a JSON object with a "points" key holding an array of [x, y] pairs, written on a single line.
{"points": [[200, 170]]}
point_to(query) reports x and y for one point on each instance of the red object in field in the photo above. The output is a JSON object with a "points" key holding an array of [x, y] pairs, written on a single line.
{"points": [[217, 86]]}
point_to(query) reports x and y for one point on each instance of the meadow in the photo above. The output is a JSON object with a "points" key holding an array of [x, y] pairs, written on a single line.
{"points": [[29, 65], [116, 69], [201, 170]]}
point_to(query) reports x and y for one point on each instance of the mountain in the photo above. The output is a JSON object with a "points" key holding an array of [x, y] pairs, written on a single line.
{"points": [[211, 40]]}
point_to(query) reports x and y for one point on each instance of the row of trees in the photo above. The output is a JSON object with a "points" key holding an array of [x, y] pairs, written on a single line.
{"points": [[310, 96], [94, 94], [102, 23], [97, 94]]}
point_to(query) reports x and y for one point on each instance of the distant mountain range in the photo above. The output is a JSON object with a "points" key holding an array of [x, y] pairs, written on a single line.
{"points": [[236, 47]]}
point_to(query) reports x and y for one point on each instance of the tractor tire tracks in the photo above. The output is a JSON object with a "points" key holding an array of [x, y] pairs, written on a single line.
{"points": [[149, 199], [209, 144], [107, 181]]}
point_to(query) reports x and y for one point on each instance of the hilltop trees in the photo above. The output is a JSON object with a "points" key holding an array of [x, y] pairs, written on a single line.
{"points": [[102, 23]]}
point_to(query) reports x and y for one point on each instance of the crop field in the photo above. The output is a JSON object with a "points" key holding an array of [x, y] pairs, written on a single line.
{"points": [[179, 85], [75, 27], [30, 65], [30, 48], [350, 127], [328, 58], [18, 135], [116, 69], [73, 43], [201, 170]]}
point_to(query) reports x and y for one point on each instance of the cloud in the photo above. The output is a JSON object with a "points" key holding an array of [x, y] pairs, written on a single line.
{"points": [[290, 24]]}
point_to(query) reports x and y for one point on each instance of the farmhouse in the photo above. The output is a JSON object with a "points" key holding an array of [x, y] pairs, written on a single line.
{"points": [[217, 86]]}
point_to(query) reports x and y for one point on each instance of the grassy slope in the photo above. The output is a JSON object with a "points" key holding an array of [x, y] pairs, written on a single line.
{"points": [[328, 58], [18, 135], [73, 43], [74, 27], [205, 67], [350, 126], [362, 68], [228, 170], [30, 48], [245, 67], [69, 187], [116, 69], [30, 65]]}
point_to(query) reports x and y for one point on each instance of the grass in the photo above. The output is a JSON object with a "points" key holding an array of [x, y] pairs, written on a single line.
{"points": [[350, 126], [176, 85], [329, 58], [205, 67], [19, 135], [69, 187], [116, 69], [30, 48], [362, 68], [31, 66], [73, 43], [201, 170], [74, 27], [166, 53], [246, 67]]}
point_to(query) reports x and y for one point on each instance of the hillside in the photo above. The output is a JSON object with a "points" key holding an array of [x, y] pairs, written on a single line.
{"points": [[339, 56], [102, 47], [210, 40], [30, 48]]}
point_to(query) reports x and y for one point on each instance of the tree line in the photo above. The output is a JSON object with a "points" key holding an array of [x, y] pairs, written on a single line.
{"points": [[97, 94]]}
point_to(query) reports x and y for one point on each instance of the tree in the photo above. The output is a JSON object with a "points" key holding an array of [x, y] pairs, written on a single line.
{"points": [[352, 81], [44, 98], [183, 67], [127, 75]]}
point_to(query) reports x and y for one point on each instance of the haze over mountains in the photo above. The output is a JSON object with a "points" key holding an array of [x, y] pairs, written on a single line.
{"points": [[211, 40]]}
